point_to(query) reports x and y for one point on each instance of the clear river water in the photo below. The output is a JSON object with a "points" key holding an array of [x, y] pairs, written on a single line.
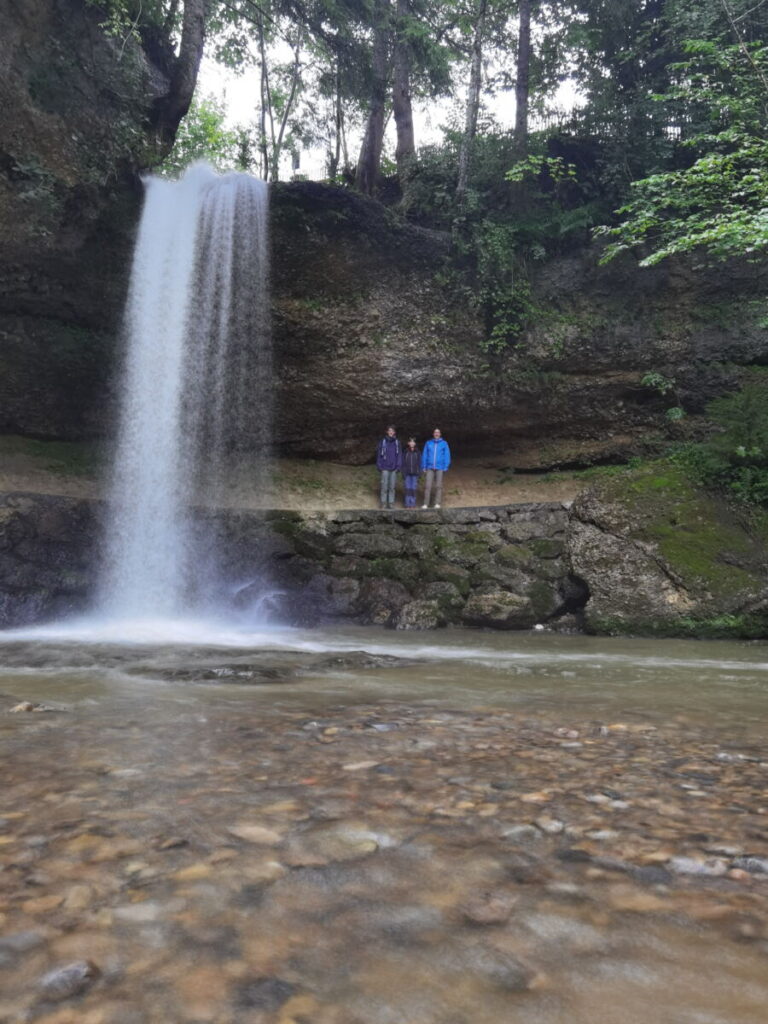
{"points": [[362, 827]]}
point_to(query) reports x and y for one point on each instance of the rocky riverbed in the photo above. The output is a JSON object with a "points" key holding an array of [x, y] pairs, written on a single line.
{"points": [[276, 837]]}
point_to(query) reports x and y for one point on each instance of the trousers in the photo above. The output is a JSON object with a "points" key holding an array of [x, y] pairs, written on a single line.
{"points": [[434, 476], [410, 483], [388, 481]]}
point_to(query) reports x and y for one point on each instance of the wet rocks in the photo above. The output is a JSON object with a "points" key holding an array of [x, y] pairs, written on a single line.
{"points": [[664, 558], [489, 908], [500, 610], [325, 844], [418, 615], [68, 981], [256, 834]]}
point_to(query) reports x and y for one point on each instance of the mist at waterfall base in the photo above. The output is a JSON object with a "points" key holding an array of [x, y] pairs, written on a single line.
{"points": [[195, 408]]}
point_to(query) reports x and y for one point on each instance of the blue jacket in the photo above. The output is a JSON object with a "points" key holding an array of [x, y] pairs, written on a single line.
{"points": [[389, 454], [436, 455]]}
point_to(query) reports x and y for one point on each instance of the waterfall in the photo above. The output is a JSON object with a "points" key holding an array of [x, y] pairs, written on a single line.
{"points": [[195, 397]]}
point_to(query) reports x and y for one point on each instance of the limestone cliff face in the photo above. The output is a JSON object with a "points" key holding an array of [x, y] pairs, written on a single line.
{"points": [[366, 333], [74, 105], [366, 329]]}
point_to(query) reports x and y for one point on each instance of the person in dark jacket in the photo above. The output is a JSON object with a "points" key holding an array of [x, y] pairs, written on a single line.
{"points": [[389, 459], [411, 472], [435, 460]]}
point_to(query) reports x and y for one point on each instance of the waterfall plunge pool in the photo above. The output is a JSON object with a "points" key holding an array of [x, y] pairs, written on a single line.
{"points": [[356, 826]]}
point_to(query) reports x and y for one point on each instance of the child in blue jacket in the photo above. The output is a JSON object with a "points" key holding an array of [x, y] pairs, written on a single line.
{"points": [[435, 460]]}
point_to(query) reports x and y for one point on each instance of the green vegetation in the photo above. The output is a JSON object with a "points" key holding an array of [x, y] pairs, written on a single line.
{"points": [[203, 135], [734, 459], [717, 205]]}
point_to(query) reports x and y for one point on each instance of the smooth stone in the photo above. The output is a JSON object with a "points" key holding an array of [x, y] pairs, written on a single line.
{"points": [[522, 834], [755, 865], [489, 908], [690, 866], [551, 826], [70, 980], [140, 913], [323, 845], [257, 834]]}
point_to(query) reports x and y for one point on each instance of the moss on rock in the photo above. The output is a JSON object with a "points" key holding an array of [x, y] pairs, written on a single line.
{"points": [[661, 556]]}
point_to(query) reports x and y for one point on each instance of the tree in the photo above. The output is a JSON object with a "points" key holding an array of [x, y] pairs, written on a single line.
{"points": [[523, 78], [203, 135], [473, 101], [373, 140], [718, 205], [401, 92], [175, 35]]}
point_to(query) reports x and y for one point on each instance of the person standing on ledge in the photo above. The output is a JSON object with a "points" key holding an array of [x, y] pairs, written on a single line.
{"points": [[389, 460], [411, 472], [435, 460]]}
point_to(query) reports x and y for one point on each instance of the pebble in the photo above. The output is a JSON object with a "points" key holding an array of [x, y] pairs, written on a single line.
{"points": [[26, 706], [69, 980], [257, 834], [552, 826], [489, 908], [359, 766], [140, 913], [325, 844], [522, 834], [690, 866], [755, 865]]}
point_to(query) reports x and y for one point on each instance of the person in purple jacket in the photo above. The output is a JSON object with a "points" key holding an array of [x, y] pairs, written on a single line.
{"points": [[389, 460]]}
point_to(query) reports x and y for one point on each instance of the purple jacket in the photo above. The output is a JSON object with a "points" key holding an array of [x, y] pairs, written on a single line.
{"points": [[389, 454]]}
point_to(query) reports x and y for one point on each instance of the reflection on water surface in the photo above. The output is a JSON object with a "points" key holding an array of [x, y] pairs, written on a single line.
{"points": [[362, 828]]}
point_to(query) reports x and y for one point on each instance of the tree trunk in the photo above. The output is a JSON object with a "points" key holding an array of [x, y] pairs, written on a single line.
{"points": [[473, 103], [334, 152], [175, 104], [263, 104], [522, 85], [373, 140], [401, 95], [288, 109]]}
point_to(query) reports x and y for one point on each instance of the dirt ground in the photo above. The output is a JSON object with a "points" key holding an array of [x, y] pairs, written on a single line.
{"points": [[78, 470]]}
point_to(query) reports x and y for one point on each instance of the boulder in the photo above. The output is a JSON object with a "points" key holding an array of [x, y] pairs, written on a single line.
{"points": [[661, 556], [498, 609], [420, 615]]}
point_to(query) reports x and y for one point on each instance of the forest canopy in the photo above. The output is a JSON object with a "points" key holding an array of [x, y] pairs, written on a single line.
{"points": [[662, 149]]}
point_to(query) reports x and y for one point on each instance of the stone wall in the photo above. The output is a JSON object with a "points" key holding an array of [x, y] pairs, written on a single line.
{"points": [[504, 568], [643, 552]]}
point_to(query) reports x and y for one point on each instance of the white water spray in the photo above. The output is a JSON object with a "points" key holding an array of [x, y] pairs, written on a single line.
{"points": [[196, 391]]}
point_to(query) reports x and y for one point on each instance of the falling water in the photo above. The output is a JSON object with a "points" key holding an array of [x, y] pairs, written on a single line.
{"points": [[195, 395]]}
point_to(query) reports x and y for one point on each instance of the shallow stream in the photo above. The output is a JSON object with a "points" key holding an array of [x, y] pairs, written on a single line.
{"points": [[361, 827]]}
